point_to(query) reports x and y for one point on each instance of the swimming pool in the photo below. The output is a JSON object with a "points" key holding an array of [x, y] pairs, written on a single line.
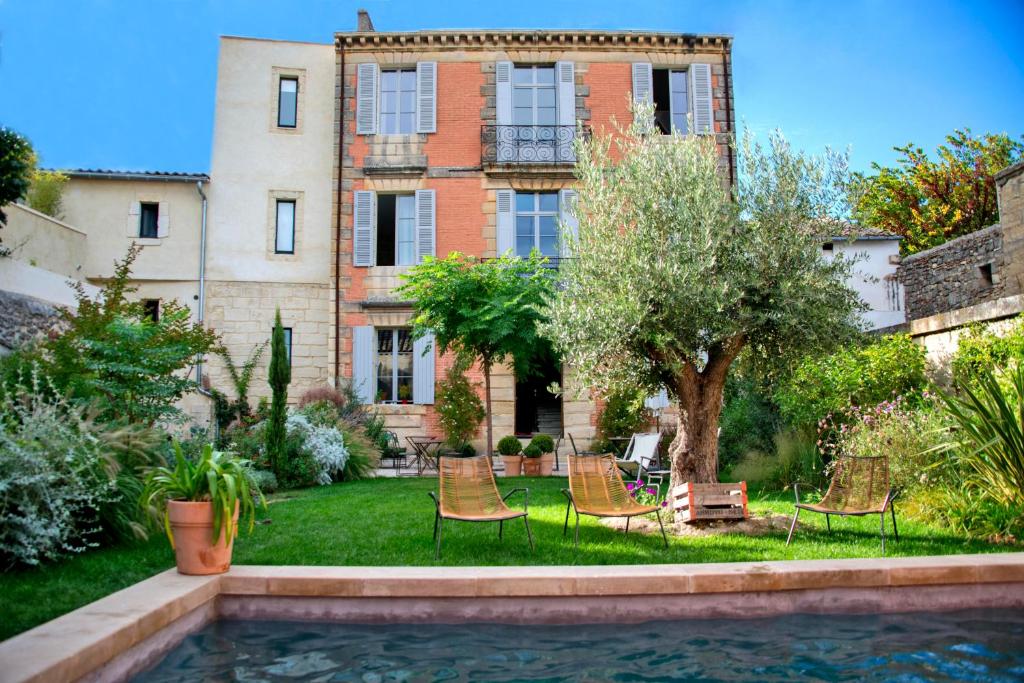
{"points": [[974, 645]]}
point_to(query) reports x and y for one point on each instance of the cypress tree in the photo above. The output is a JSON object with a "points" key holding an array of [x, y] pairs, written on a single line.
{"points": [[280, 376]]}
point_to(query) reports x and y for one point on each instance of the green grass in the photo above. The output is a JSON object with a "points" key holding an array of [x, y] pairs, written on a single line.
{"points": [[390, 521]]}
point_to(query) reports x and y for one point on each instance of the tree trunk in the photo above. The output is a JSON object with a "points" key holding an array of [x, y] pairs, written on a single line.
{"points": [[487, 403]]}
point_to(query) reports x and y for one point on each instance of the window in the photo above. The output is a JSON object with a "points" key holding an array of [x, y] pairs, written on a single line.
{"points": [[396, 230], [151, 309], [985, 270], [288, 343], [149, 216], [533, 96], [287, 101], [537, 223], [394, 366], [284, 232], [397, 102], [828, 246], [670, 100]]}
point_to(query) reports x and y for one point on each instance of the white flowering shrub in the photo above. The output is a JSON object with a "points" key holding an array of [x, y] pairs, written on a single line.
{"points": [[327, 444]]}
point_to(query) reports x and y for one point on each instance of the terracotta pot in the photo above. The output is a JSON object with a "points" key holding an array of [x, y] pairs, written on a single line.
{"points": [[547, 464], [513, 465], [192, 528], [531, 467]]}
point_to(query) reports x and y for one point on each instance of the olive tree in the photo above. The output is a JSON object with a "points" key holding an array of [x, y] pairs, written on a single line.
{"points": [[674, 272]]}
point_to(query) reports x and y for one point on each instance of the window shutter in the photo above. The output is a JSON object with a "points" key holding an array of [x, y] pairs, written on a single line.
{"points": [[163, 220], [566, 75], [364, 228], [426, 97], [503, 93], [506, 221], [700, 92], [131, 224], [366, 99], [425, 220], [363, 348], [569, 228], [423, 370], [643, 83]]}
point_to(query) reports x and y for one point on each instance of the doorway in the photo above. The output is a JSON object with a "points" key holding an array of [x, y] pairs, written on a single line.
{"points": [[538, 411]]}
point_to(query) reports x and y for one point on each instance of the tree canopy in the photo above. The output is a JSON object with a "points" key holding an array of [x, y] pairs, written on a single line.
{"points": [[928, 201], [17, 160]]}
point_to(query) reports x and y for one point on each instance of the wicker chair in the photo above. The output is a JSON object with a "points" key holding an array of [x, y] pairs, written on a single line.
{"points": [[596, 489], [859, 486], [468, 493]]}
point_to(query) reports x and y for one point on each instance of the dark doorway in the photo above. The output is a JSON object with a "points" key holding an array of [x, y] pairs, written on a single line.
{"points": [[537, 409]]}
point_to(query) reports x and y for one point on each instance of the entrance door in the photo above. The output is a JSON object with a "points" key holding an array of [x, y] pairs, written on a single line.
{"points": [[537, 409]]}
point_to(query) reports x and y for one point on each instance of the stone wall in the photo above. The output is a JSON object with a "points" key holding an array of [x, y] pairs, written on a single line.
{"points": [[962, 272], [1010, 186]]}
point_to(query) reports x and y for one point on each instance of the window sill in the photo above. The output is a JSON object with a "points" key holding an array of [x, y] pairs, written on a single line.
{"points": [[149, 241], [400, 408]]}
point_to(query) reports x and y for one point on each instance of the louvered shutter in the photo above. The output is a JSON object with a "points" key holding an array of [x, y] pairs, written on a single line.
{"points": [[506, 146], [423, 370], [506, 221], [426, 233], [643, 83], [366, 99], [700, 91], [163, 220], [569, 225], [566, 75], [363, 347], [426, 97], [131, 225], [364, 228]]}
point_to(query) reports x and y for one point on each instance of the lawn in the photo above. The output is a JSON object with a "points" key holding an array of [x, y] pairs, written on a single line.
{"points": [[389, 522]]}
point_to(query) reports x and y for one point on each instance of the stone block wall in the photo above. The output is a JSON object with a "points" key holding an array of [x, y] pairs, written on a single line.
{"points": [[962, 272], [1010, 186]]}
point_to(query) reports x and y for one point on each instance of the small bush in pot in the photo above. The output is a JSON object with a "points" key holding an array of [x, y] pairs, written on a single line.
{"points": [[546, 445], [199, 503], [531, 460], [510, 450]]}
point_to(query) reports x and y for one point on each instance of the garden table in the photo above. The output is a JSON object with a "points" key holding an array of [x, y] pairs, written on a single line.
{"points": [[424, 453]]}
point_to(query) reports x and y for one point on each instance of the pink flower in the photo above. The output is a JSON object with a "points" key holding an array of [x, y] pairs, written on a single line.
{"points": [[629, 486]]}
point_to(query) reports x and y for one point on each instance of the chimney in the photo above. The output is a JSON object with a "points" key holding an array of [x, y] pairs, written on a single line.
{"points": [[364, 24]]}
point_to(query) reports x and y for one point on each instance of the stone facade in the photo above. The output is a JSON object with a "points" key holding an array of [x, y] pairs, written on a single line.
{"points": [[1010, 186], [959, 273]]}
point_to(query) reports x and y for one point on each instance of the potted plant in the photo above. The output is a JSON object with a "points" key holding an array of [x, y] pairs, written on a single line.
{"points": [[531, 460], [404, 393], [510, 451], [547, 448], [199, 503]]}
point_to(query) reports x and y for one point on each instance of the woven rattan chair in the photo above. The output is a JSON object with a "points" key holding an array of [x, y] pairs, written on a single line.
{"points": [[596, 489], [468, 493], [859, 486]]}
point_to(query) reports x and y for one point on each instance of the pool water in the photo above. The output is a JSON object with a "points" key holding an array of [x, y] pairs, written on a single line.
{"points": [[975, 645]]}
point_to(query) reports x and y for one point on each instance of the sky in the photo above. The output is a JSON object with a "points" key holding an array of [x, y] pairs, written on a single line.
{"points": [[129, 84]]}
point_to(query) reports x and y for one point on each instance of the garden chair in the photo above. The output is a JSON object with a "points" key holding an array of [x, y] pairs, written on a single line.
{"points": [[392, 451], [596, 489], [859, 486], [641, 460], [468, 493]]}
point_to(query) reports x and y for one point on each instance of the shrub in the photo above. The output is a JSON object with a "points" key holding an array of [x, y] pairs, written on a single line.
{"points": [[363, 454], [749, 422], [324, 394], [279, 376], [859, 376], [327, 445], [46, 194], [532, 451], [980, 348], [623, 414], [509, 445], [544, 442], [795, 459], [262, 480], [459, 408], [320, 413]]}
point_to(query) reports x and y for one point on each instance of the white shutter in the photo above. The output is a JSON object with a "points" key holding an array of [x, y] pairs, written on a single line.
{"points": [[131, 224], [163, 220], [566, 79], [364, 228], [503, 92], [643, 83], [700, 94], [569, 225], [506, 221], [423, 370], [425, 224], [363, 351], [366, 99], [426, 97]]}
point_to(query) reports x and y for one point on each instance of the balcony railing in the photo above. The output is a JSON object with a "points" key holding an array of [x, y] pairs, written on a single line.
{"points": [[529, 144]]}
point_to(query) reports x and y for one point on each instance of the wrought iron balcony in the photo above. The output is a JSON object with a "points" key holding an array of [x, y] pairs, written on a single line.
{"points": [[540, 145]]}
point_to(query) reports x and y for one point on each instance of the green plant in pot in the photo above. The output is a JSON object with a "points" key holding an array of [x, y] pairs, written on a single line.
{"points": [[546, 445], [510, 451], [532, 456], [199, 503]]}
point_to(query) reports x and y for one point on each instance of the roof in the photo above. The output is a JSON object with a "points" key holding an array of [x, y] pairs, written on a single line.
{"points": [[864, 232], [462, 39], [109, 174]]}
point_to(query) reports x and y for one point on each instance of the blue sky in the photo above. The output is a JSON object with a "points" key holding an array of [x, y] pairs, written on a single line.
{"points": [[129, 84]]}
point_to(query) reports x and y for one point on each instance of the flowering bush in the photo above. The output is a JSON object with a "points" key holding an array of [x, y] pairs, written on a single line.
{"points": [[326, 443], [644, 494]]}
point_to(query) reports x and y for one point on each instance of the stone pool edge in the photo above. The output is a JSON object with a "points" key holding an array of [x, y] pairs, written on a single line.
{"points": [[122, 633]]}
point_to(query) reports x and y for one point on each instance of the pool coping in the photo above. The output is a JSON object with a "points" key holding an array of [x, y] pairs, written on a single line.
{"points": [[114, 637]]}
